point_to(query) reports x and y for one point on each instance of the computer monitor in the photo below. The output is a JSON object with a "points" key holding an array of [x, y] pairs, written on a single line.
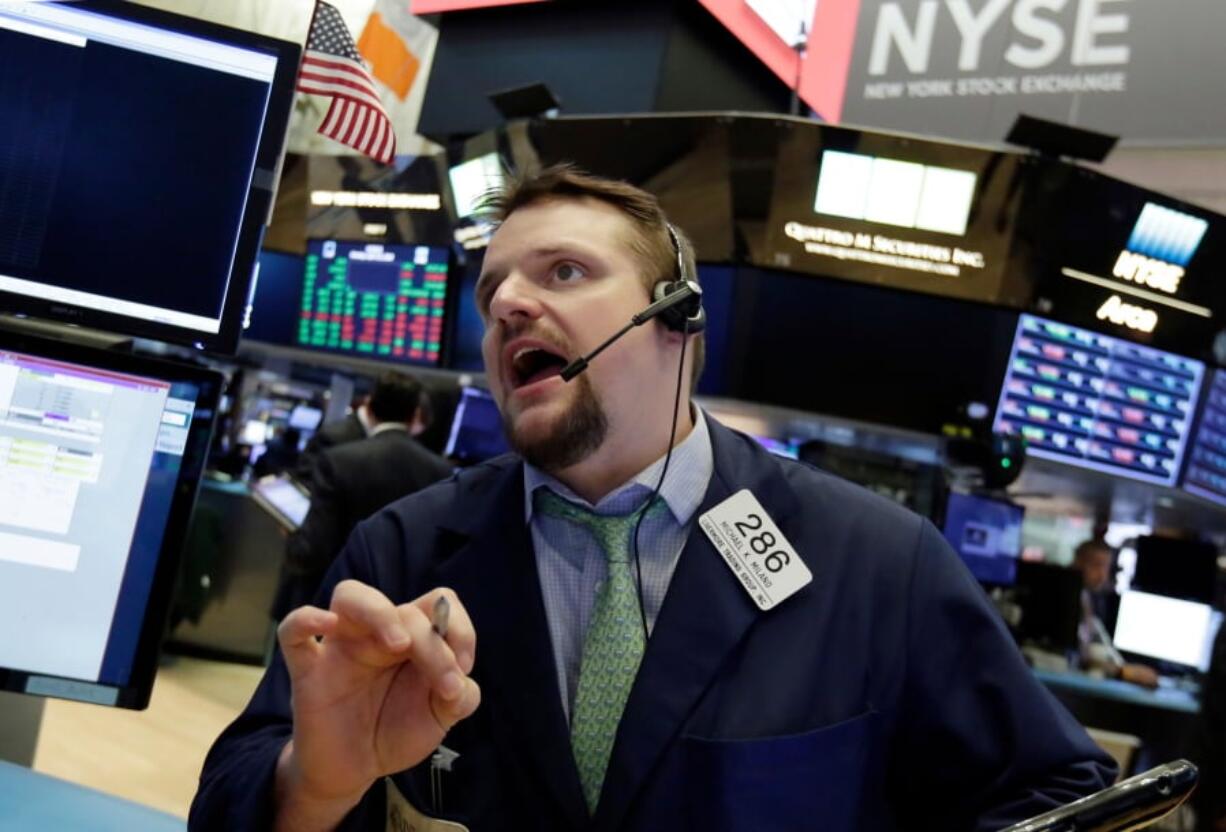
{"points": [[304, 417], [276, 299], [371, 300], [1206, 471], [140, 151], [472, 180], [100, 457], [284, 498], [476, 429], [1167, 629], [1050, 600], [1176, 568], [987, 535], [1098, 402]]}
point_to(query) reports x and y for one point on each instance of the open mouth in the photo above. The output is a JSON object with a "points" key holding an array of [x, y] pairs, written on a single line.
{"points": [[530, 364]]}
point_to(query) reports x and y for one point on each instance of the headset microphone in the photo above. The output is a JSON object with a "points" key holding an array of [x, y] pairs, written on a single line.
{"points": [[685, 304]]}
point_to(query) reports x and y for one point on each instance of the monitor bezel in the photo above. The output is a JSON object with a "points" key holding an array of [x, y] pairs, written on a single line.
{"points": [[259, 195], [136, 692]]}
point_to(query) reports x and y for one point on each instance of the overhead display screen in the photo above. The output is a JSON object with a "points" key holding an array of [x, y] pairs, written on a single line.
{"points": [[1098, 402], [374, 301], [1206, 474], [876, 208], [1125, 260]]}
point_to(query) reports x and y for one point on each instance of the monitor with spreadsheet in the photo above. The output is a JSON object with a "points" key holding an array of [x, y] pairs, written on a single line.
{"points": [[100, 457], [1098, 402]]}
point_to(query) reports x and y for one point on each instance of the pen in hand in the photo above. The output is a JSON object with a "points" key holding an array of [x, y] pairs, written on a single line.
{"points": [[442, 610]]}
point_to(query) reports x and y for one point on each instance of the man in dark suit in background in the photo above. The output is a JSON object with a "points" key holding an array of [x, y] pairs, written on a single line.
{"points": [[353, 479], [356, 425]]}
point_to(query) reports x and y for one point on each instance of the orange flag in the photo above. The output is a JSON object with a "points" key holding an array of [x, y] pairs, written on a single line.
{"points": [[390, 59]]}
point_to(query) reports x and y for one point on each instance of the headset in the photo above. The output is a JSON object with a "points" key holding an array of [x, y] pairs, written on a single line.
{"points": [[687, 315], [677, 303]]}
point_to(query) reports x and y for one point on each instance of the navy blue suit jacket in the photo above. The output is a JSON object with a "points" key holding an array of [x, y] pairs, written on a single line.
{"points": [[884, 695]]}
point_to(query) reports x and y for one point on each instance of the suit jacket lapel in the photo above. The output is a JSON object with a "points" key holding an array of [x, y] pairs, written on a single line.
{"points": [[494, 573], [705, 615]]}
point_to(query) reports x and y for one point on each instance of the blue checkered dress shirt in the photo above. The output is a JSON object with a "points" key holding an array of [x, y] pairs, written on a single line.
{"points": [[572, 567]]}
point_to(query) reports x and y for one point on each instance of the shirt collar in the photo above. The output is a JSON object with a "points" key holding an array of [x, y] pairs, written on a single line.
{"points": [[689, 472], [384, 427]]}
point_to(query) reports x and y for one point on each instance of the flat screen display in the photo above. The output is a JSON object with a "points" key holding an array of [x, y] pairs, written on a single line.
{"points": [[476, 430], [1206, 471], [1097, 401], [137, 162], [100, 456], [1168, 629], [374, 301], [987, 534], [284, 499], [866, 353], [1176, 568], [472, 180], [275, 299]]}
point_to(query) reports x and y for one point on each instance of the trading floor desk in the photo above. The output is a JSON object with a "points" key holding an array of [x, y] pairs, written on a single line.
{"points": [[1165, 719]]}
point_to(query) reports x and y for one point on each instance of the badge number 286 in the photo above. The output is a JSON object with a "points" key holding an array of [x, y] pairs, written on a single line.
{"points": [[755, 550]]}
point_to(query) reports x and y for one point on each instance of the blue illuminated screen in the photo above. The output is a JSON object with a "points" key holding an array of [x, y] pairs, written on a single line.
{"points": [[987, 534], [1098, 402]]}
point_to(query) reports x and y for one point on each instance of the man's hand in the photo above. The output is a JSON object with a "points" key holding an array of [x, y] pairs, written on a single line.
{"points": [[1139, 674], [375, 695]]}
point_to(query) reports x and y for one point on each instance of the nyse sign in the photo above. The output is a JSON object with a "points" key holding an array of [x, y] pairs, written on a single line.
{"points": [[966, 68], [1037, 39], [1151, 268]]}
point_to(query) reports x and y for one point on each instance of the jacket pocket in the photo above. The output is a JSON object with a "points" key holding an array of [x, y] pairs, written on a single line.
{"points": [[814, 780]]}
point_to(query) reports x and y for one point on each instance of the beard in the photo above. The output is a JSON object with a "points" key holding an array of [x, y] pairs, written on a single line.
{"points": [[576, 435]]}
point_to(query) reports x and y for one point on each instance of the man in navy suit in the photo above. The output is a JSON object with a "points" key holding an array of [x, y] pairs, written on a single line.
{"points": [[876, 689]]}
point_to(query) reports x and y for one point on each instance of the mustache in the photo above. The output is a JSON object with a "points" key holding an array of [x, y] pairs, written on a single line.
{"points": [[537, 331]]}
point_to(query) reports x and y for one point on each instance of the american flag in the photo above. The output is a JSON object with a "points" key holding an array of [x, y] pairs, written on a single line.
{"points": [[332, 66]]}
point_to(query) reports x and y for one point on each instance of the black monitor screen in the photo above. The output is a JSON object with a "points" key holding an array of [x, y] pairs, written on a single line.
{"points": [[100, 455], [374, 301], [863, 352], [987, 534], [136, 165], [476, 430], [1176, 568], [1098, 402], [1050, 601], [275, 301]]}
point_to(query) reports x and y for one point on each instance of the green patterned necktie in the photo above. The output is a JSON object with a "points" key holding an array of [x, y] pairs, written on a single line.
{"points": [[614, 643]]}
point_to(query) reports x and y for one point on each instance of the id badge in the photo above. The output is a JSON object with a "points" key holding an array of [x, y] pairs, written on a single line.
{"points": [[402, 817]]}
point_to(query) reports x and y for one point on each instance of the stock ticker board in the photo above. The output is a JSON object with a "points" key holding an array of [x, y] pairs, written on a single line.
{"points": [[1098, 402], [374, 301]]}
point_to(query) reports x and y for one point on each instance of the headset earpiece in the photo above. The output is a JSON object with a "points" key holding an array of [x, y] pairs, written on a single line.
{"points": [[689, 316]]}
